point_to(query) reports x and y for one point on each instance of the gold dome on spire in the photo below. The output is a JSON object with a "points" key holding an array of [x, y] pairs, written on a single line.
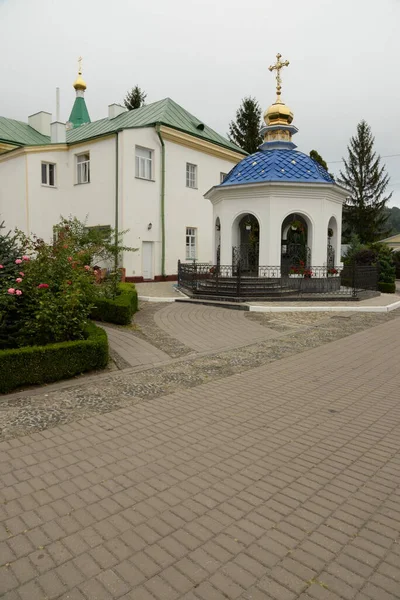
{"points": [[278, 113], [79, 82]]}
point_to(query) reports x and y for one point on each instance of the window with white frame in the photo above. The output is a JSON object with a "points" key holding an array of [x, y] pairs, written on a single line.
{"points": [[191, 175], [144, 163], [222, 177], [191, 243], [48, 174], [83, 168]]}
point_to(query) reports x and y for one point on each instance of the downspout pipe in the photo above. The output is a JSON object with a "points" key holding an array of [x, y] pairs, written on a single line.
{"points": [[116, 224], [162, 199]]}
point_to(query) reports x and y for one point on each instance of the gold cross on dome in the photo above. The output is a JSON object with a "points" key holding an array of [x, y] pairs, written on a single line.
{"points": [[80, 65], [277, 67]]}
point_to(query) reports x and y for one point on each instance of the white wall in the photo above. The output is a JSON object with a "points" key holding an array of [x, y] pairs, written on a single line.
{"points": [[14, 201], [184, 207], [139, 200], [94, 201], [271, 204]]}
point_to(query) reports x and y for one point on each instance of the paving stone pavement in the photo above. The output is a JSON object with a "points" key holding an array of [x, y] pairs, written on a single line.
{"points": [[279, 483], [135, 351], [206, 328]]}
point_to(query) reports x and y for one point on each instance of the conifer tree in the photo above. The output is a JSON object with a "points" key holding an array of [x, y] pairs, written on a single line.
{"points": [[367, 181], [135, 98], [245, 131]]}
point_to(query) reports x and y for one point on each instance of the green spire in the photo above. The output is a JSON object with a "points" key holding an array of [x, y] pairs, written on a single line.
{"points": [[79, 113]]}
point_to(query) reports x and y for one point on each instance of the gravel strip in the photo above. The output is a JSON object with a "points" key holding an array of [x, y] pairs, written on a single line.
{"points": [[146, 328], [26, 414]]}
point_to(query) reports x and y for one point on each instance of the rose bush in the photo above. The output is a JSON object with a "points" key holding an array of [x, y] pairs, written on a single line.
{"points": [[47, 291], [50, 300]]}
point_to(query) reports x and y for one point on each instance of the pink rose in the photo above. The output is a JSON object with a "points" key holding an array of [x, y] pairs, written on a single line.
{"points": [[70, 258], [18, 292], [11, 291], [25, 257], [22, 274], [43, 285], [87, 267], [1, 267], [18, 261], [18, 280]]}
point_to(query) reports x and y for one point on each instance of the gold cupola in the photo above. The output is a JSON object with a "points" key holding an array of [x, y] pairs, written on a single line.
{"points": [[278, 117], [80, 84]]}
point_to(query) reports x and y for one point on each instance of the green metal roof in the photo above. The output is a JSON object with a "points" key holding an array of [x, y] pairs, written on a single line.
{"points": [[20, 134], [166, 112], [79, 113]]}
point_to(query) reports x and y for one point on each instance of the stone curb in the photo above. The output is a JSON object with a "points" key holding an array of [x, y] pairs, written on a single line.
{"points": [[374, 309], [278, 309]]}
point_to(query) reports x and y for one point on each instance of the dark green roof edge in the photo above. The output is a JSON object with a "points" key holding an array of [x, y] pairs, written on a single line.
{"points": [[165, 112], [112, 133]]}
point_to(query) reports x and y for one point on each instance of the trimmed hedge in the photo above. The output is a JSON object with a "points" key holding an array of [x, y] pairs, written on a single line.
{"points": [[386, 288], [33, 365], [119, 310]]}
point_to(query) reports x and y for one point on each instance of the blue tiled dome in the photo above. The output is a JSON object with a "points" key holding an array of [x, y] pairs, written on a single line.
{"points": [[277, 165]]}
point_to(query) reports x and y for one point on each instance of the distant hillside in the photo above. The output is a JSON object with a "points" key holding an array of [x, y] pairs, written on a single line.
{"points": [[393, 222]]}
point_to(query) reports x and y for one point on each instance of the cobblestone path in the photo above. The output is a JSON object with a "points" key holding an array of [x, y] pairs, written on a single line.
{"points": [[278, 483]]}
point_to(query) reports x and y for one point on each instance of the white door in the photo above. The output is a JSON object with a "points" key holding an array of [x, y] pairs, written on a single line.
{"points": [[147, 260]]}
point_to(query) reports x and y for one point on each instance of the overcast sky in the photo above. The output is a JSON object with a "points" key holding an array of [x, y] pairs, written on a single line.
{"points": [[207, 55]]}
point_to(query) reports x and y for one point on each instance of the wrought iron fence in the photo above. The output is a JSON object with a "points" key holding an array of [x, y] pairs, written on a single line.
{"points": [[268, 281]]}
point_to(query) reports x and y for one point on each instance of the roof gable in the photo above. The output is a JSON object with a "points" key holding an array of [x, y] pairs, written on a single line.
{"points": [[166, 112]]}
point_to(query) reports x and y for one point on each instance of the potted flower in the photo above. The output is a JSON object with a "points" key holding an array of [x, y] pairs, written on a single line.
{"points": [[307, 273], [297, 225], [295, 271], [332, 272]]}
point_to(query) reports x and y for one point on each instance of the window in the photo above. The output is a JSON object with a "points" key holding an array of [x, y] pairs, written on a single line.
{"points": [[191, 175], [191, 245], [48, 174], [144, 163], [83, 168], [222, 177]]}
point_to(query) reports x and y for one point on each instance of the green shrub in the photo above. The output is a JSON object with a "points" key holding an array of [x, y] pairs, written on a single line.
{"points": [[35, 365], [120, 309], [387, 288]]}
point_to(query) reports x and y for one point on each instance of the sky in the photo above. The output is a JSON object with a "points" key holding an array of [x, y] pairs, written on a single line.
{"points": [[209, 54]]}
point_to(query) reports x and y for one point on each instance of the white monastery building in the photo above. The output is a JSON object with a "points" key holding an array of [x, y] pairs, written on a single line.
{"points": [[144, 170]]}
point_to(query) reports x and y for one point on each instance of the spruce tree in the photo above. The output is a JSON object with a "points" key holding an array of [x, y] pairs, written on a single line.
{"points": [[245, 131], [366, 179], [135, 98]]}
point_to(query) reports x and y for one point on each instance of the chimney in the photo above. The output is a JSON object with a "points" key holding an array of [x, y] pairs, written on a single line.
{"points": [[41, 122], [115, 109], [58, 133]]}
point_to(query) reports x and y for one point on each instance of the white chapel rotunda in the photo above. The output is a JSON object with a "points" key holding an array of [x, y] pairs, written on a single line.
{"points": [[277, 207]]}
